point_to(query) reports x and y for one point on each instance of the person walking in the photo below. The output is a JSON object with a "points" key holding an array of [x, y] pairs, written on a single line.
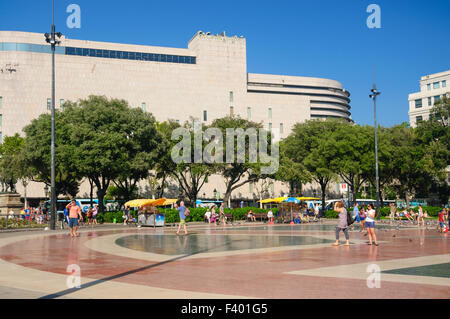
{"points": [[94, 214], [74, 217], [126, 214], [362, 217], [356, 213], [393, 210], [342, 223], [223, 218], [420, 217], [89, 216], [183, 211], [370, 225]]}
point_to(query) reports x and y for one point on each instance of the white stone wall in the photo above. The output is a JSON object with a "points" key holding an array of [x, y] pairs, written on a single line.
{"points": [[169, 90]]}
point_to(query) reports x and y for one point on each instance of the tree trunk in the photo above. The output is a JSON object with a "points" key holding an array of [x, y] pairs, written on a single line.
{"points": [[101, 195], [323, 187], [91, 184], [407, 199]]}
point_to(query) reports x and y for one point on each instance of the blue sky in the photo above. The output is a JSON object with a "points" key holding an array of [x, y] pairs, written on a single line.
{"points": [[321, 38]]}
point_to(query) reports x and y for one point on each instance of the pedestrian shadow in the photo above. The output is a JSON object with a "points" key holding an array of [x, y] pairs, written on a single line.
{"points": [[126, 273]]}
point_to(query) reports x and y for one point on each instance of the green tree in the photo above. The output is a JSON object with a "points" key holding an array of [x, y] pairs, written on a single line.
{"points": [[113, 143], [313, 145], [37, 151], [11, 168], [237, 172], [354, 155]]}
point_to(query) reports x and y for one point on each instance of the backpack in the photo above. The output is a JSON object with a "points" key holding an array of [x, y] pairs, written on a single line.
{"points": [[350, 219]]}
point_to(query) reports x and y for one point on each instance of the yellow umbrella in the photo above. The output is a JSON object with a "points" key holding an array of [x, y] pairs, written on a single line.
{"points": [[154, 202], [267, 200], [139, 202], [307, 198], [279, 199], [168, 201]]}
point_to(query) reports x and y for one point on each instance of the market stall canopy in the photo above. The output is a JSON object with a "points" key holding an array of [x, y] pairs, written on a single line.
{"points": [[279, 199], [267, 200], [168, 201], [145, 202], [138, 202], [307, 198], [155, 202]]}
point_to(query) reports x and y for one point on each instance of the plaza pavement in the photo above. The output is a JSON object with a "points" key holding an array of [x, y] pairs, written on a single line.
{"points": [[246, 260]]}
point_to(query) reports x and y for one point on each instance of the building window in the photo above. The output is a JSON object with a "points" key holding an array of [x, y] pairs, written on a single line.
{"points": [[49, 104], [436, 98], [249, 113], [61, 104], [270, 127], [205, 116], [1, 102], [270, 113], [436, 85], [429, 101], [418, 103], [231, 96], [444, 83], [281, 128], [231, 110], [144, 107], [178, 121], [419, 119], [428, 87]]}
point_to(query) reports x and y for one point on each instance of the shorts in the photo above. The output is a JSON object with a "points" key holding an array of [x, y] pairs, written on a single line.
{"points": [[362, 218], [442, 224], [182, 221], [73, 222], [370, 224]]}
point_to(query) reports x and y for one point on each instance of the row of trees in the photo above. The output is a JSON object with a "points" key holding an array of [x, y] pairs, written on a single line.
{"points": [[113, 146]]}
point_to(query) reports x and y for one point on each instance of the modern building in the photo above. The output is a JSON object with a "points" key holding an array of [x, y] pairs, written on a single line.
{"points": [[432, 88], [206, 80]]}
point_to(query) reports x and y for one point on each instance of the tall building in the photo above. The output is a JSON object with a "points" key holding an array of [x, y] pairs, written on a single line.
{"points": [[206, 80], [432, 88]]}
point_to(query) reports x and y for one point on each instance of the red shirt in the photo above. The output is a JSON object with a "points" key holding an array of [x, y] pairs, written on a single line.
{"points": [[74, 211], [441, 217]]}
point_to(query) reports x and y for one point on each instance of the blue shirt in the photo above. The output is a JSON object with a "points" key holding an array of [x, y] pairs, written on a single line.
{"points": [[181, 211]]}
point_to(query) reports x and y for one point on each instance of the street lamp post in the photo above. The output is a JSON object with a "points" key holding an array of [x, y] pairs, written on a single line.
{"points": [[373, 96], [52, 39]]}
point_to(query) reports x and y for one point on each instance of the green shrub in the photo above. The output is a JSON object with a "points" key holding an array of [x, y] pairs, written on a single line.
{"points": [[331, 214]]}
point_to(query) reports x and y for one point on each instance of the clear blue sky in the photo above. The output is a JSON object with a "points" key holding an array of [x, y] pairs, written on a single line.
{"points": [[321, 38]]}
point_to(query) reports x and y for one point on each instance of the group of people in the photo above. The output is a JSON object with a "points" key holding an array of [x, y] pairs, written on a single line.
{"points": [[37, 214], [363, 216], [212, 217], [88, 218]]}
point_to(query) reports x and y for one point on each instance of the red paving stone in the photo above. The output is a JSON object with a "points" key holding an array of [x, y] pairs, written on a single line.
{"points": [[259, 275]]}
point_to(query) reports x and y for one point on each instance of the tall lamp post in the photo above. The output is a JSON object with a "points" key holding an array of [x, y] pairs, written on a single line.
{"points": [[373, 96], [52, 39]]}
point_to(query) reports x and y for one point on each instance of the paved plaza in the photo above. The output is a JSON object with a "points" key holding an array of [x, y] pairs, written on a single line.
{"points": [[249, 260]]}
